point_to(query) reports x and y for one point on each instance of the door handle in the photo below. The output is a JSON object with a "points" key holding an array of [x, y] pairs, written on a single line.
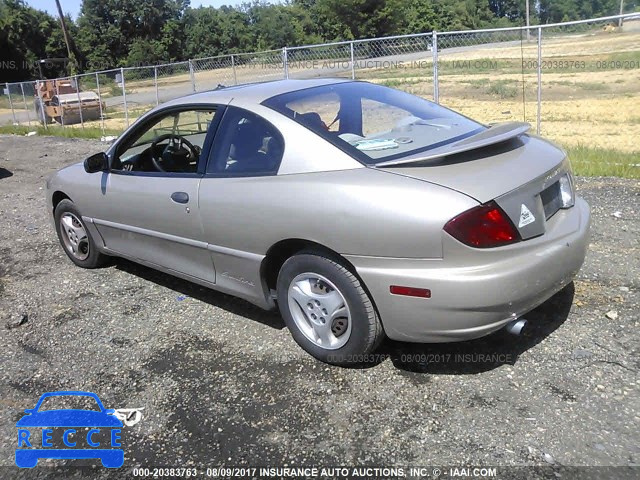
{"points": [[180, 197]]}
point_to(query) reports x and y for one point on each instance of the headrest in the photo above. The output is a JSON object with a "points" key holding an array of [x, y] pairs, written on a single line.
{"points": [[248, 140], [311, 120]]}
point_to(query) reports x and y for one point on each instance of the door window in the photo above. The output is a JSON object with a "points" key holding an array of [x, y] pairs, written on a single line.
{"points": [[171, 143], [246, 145]]}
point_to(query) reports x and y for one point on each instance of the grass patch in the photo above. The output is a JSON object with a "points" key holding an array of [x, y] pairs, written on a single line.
{"points": [[564, 83], [602, 162], [4, 102], [58, 131], [589, 86], [132, 113], [17, 102], [592, 86], [503, 88], [399, 82]]}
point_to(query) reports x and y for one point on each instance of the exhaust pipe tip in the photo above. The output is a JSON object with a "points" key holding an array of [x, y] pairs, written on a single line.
{"points": [[516, 327]]}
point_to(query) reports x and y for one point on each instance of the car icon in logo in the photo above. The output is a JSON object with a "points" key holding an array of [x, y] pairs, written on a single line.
{"points": [[101, 439]]}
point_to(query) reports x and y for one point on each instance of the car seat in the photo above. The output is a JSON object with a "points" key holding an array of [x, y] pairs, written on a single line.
{"points": [[247, 149]]}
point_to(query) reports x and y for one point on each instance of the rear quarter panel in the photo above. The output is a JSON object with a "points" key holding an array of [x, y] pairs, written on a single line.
{"points": [[360, 212]]}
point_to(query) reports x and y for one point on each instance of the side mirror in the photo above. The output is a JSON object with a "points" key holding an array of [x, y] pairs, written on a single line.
{"points": [[96, 163]]}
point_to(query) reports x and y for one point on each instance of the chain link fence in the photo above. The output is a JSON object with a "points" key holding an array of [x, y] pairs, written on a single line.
{"points": [[575, 81]]}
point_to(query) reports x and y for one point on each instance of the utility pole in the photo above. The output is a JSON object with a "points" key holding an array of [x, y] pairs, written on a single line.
{"points": [[621, 12], [528, 35], [72, 58]]}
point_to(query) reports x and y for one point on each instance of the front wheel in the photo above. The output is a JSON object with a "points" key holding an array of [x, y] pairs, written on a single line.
{"points": [[75, 238], [327, 309]]}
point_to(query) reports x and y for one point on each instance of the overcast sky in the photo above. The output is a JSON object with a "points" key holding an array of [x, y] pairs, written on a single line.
{"points": [[73, 6]]}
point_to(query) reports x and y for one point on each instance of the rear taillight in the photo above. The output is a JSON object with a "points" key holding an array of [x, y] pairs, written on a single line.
{"points": [[483, 226], [566, 191]]}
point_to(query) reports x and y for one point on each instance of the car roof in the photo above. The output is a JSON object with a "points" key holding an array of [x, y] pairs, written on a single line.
{"points": [[252, 92]]}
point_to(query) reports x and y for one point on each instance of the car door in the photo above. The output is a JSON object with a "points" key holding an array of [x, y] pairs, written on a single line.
{"points": [[152, 216], [245, 157]]}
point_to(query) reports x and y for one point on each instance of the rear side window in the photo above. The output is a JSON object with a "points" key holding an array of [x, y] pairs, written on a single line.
{"points": [[245, 145]]}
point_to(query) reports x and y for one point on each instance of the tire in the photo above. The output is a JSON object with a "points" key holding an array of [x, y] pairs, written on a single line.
{"points": [[74, 237], [327, 310]]}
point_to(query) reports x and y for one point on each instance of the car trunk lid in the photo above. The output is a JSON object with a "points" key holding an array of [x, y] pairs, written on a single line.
{"points": [[519, 173]]}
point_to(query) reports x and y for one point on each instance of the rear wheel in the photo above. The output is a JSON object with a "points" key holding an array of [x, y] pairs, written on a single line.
{"points": [[75, 238], [327, 309]]}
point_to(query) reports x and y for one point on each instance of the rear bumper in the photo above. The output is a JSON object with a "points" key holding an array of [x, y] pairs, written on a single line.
{"points": [[475, 292]]}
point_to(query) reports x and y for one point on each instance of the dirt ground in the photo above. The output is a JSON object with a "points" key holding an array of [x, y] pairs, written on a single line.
{"points": [[223, 383]]}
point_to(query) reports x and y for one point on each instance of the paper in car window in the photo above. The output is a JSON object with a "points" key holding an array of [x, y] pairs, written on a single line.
{"points": [[376, 144]]}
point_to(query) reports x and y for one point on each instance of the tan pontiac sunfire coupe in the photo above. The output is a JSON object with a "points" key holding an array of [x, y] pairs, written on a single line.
{"points": [[358, 210]]}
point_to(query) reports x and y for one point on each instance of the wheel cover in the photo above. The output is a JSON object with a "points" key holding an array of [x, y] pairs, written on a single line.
{"points": [[74, 236], [319, 310]]}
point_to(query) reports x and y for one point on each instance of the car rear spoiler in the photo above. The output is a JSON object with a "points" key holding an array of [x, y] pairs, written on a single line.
{"points": [[496, 133]]}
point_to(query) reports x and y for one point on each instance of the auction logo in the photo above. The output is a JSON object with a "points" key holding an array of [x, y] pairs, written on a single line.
{"points": [[72, 433]]}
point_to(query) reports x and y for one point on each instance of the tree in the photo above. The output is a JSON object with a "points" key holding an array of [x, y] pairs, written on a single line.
{"points": [[146, 52], [419, 16], [210, 32], [354, 19], [110, 28], [26, 36], [276, 26]]}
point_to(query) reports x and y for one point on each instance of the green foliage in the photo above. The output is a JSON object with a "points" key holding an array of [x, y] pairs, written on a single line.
{"points": [[553, 11], [58, 131], [504, 88], [145, 52], [113, 33], [26, 36], [597, 162]]}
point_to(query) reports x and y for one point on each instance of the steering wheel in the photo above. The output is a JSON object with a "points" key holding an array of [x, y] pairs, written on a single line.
{"points": [[177, 143]]}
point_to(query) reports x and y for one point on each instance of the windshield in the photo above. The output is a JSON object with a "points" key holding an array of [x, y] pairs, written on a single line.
{"points": [[374, 123]]}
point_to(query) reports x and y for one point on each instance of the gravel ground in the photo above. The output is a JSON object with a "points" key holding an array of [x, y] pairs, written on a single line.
{"points": [[222, 382]]}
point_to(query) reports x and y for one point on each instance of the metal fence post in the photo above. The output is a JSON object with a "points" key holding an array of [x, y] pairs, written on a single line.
{"points": [[124, 97], [539, 113], [43, 114], [155, 82], [13, 113], [285, 63], [353, 65], [100, 103], [233, 67], [60, 106], [192, 75], [24, 100], [79, 101], [434, 53]]}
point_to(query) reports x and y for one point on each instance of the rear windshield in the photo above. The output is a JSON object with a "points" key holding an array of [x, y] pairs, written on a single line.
{"points": [[374, 123]]}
